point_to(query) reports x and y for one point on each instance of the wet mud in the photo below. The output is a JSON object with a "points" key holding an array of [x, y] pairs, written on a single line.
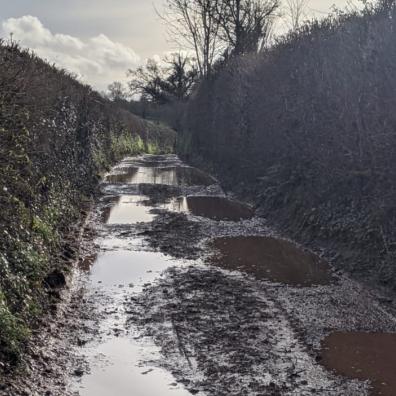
{"points": [[222, 335], [180, 290]]}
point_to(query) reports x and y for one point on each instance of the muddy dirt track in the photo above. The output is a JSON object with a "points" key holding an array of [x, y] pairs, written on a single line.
{"points": [[182, 290]]}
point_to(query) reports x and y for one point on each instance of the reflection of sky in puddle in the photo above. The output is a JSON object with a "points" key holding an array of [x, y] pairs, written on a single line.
{"points": [[129, 209], [117, 363], [122, 376], [178, 204], [155, 176], [216, 208], [172, 176], [124, 266]]}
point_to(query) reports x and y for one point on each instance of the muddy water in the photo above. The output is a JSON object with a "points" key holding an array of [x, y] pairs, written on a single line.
{"points": [[115, 360], [123, 376], [115, 273], [122, 360], [364, 356], [171, 176], [215, 208], [270, 258]]}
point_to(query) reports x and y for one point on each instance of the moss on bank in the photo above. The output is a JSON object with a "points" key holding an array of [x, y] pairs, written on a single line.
{"points": [[57, 136]]}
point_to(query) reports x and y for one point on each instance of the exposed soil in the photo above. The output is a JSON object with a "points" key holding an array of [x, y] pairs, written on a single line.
{"points": [[167, 299]]}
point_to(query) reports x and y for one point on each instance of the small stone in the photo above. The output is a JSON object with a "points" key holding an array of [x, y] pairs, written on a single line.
{"points": [[79, 372]]}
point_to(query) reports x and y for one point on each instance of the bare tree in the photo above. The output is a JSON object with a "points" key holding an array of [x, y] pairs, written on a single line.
{"points": [[146, 81], [117, 91], [182, 74], [169, 80], [212, 28], [246, 24], [193, 23], [295, 12]]}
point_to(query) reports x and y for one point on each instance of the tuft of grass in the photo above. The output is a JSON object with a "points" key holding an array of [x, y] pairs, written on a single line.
{"points": [[13, 332], [126, 144]]}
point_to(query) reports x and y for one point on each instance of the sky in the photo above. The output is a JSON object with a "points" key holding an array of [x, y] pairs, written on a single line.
{"points": [[98, 40]]}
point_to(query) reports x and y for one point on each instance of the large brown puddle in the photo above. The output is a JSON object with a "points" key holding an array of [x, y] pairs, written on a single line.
{"points": [[215, 208], [172, 176], [364, 356], [273, 259]]}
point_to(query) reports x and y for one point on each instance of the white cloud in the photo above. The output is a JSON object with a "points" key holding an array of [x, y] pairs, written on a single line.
{"points": [[97, 61]]}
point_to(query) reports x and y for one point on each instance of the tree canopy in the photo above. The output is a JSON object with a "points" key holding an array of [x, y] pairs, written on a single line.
{"points": [[168, 80]]}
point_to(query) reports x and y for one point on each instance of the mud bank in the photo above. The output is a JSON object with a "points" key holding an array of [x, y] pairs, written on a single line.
{"points": [[170, 300]]}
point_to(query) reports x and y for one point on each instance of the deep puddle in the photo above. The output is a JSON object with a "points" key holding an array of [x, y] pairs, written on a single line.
{"points": [[363, 356], [128, 209], [273, 259], [215, 208], [171, 176]]}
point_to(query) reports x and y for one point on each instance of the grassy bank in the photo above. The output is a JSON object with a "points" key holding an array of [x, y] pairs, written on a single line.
{"points": [[57, 137]]}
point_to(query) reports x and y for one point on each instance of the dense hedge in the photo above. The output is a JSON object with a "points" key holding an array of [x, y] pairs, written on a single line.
{"points": [[309, 127], [56, 137]]}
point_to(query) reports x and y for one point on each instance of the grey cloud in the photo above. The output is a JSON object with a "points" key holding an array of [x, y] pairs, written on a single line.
{"points": [[97, 60]]}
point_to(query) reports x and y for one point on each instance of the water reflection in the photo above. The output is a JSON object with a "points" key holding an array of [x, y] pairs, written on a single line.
{"points": [[127, 209], [116, 366], [215, 208], [123, 175], [273, 259], [125, 266], [172, 176], [124, 376]]}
